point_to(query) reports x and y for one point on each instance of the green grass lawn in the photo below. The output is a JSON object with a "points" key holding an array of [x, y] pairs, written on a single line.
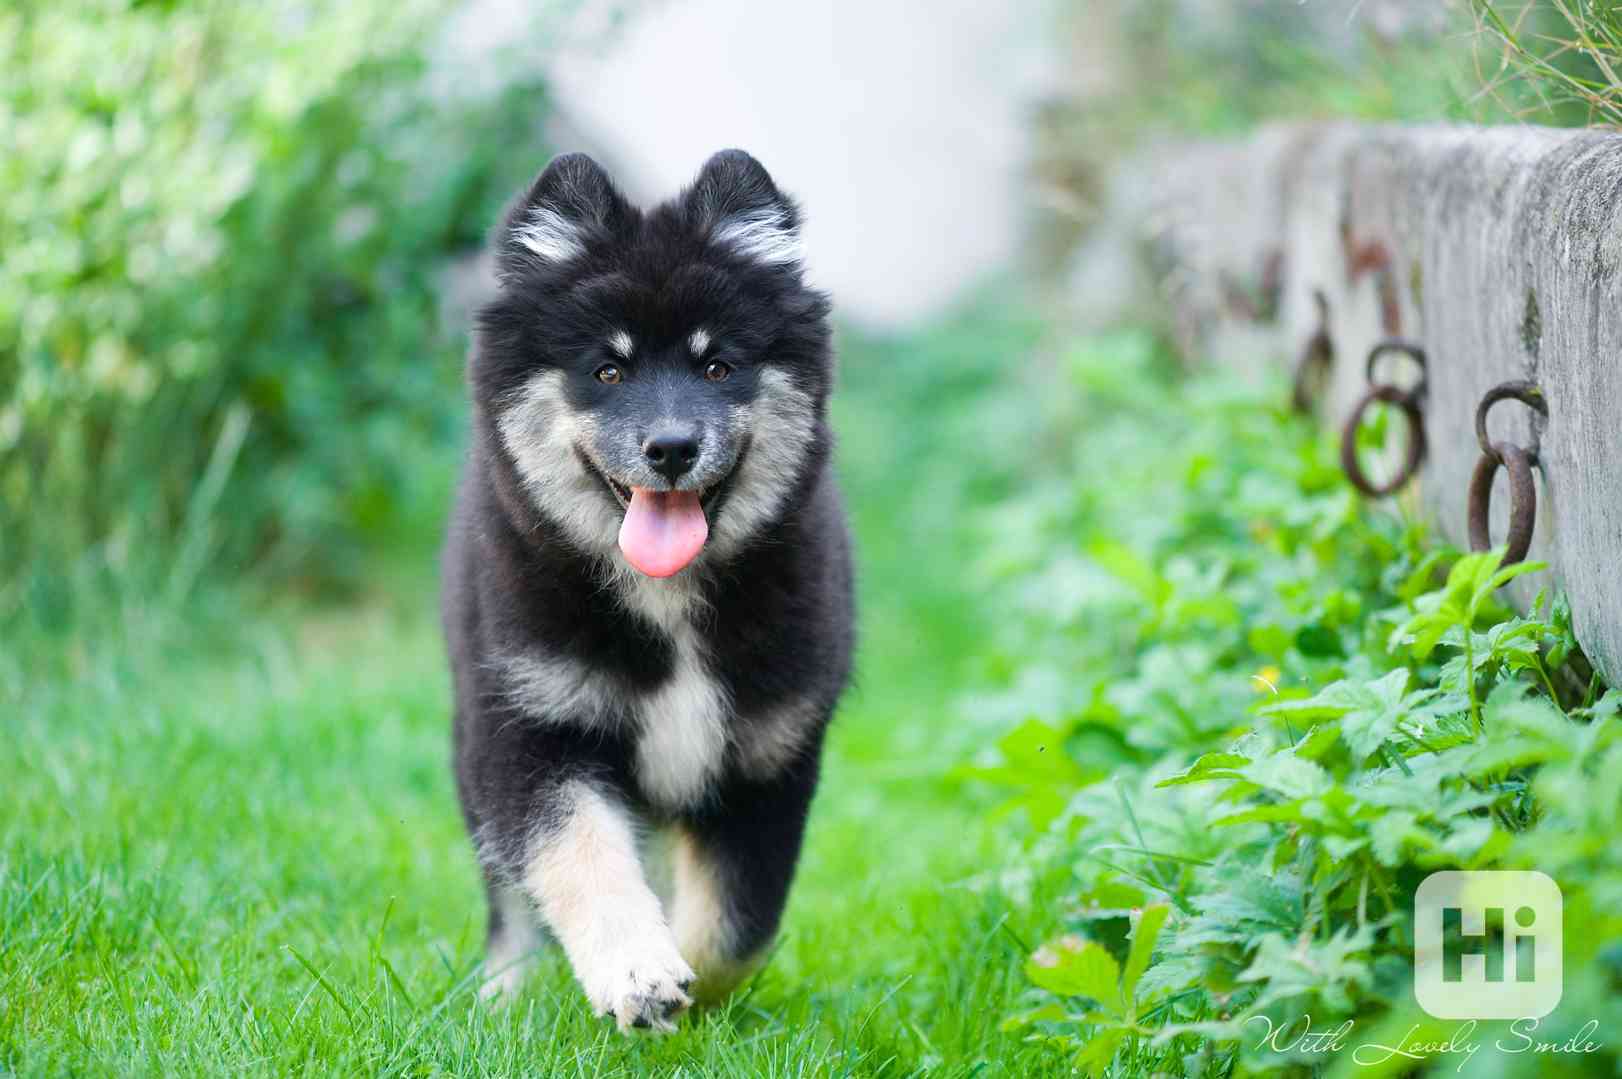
{"points": [[235, 849], [1142, 603]]}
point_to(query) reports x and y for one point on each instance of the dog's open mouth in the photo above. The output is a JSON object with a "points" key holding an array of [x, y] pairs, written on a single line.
{"points": [[662, 531], [707, 496]]}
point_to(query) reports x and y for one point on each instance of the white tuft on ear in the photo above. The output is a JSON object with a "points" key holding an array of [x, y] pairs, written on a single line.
{"points": [[762, 233], [549, 235]]}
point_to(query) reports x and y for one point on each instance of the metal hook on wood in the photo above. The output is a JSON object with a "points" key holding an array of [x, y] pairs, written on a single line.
{"points": [[1410, 401], [1518, 462]]}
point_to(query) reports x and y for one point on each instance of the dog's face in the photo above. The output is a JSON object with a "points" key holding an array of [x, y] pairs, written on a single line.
{"points": [[657, 380]]}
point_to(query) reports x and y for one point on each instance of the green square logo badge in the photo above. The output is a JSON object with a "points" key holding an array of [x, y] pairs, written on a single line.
{"points": [[1487, 945]]}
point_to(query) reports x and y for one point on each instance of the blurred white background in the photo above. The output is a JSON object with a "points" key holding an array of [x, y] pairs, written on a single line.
{"points": [[901, 125]]}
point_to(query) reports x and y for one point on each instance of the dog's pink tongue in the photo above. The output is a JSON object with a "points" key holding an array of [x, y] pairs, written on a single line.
{"points": [[663, 530]]}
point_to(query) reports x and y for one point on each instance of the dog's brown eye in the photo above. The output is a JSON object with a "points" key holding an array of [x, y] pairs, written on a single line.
{"points": [[609, 373], [716, 371]]}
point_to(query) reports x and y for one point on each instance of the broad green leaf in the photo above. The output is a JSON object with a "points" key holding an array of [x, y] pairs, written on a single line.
{"points": [[1144, 935], [1368, 711], [1288, 775], [1395, 831], [1471, 573], [1127, 566], [1094, 1058], [1342, 847], [1492, 851], [1111, 898], [1318, 641], [1502, 577], [1051, 1012], [1496, 755], [1419, 580], [1454, 604], [1331, 702], [1209, 766], [1072, 967], [1334, 971], [1424, 632], [1036, 764], [1466, 838], [1265, 814], [1608, 705], [1254, 901], [1372, 723], [1038, 750], [1318, 740], [1509, 707], [1270, 640]]}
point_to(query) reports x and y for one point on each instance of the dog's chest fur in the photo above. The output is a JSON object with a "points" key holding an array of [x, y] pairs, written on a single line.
{"points": [[681, 739], [678, 729]]}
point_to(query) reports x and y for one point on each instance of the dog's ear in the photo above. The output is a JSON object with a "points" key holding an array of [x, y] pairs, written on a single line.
{"points": [[571, 205], [735, 205]]}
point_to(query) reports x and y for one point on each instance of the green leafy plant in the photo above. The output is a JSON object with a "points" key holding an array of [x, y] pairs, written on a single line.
{"points": [[1286, 710], [1452, 612], [1075, 968]]}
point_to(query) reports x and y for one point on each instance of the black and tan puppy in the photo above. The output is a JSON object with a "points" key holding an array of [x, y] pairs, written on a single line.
{"points": [[647, 582]]}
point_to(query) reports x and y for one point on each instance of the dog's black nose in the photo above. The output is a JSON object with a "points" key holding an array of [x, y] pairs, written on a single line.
{"points": [[671, 452]]}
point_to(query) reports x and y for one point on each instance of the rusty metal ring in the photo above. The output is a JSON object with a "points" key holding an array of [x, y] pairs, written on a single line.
{"points": [[1409, 403], [1523, 500], [1412, 349], [1528, 393]]}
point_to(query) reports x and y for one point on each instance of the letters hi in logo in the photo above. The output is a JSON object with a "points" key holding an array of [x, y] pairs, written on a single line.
{"points": [[1487, 945]]}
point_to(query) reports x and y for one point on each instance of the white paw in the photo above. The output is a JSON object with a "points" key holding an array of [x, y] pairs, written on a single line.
{"points": [[642, 984]]}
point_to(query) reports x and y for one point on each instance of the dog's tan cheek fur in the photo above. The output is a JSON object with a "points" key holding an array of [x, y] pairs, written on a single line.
{"points": [[782, 424], [540, 432]]}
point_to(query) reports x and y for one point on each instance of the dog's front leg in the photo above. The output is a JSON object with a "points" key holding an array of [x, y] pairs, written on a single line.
{"points": [[733, 866], [586, 878]]}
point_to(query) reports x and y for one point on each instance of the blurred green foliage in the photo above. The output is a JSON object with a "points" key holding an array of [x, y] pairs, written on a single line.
{"points": [[1146, 70], [1555, 61], [219, 316], [1231, 67]]}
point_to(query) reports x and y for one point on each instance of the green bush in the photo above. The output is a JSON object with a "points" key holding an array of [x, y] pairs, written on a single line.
{"points": [[1246, 716], [219, 339]]}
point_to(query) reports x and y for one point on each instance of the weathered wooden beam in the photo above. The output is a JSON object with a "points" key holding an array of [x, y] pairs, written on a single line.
{"points": [[1498, 250]]}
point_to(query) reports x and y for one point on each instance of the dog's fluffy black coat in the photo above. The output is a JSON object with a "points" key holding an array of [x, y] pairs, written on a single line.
{"points": [[566, 660]]}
